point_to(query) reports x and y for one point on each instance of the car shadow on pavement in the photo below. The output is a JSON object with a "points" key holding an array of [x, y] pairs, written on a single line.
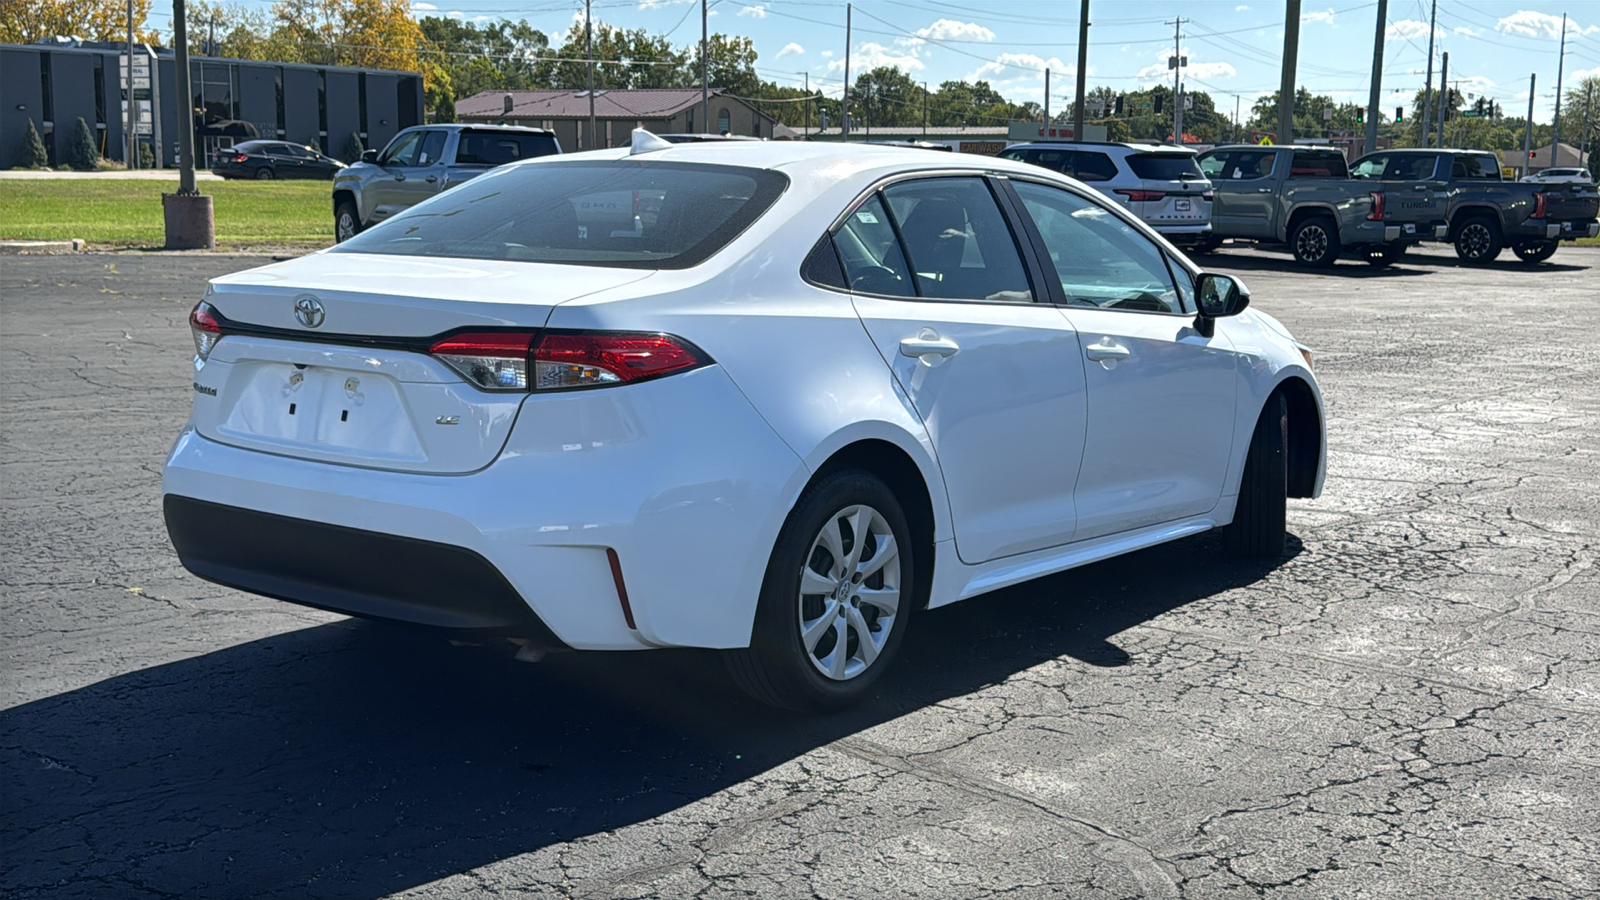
{"points": [[1344, 268], [1505, 263], [346, 760]]}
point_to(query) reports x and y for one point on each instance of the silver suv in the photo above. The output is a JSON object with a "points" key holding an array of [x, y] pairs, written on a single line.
{"points": [[1160, 183], [422, 161]]}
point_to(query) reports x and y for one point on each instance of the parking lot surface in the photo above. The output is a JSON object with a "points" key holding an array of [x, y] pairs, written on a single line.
{"points": [[1405, 707]]}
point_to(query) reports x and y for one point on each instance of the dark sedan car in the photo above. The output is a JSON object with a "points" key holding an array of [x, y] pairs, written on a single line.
{"points": [[266, 160]]}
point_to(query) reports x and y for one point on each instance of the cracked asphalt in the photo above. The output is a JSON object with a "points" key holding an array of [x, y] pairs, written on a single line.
{"points": [[1406, 707]]}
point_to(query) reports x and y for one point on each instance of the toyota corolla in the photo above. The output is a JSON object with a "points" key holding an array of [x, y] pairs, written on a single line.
{"points": [[804, 393]]}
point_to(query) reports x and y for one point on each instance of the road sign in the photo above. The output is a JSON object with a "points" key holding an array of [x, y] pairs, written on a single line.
{"points": [[141, 73], [1263, 137], [145, 116]]}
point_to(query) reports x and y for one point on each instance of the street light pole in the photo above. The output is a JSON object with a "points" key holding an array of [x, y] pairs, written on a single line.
{"points": [[1083, 66], [1377, 79]]}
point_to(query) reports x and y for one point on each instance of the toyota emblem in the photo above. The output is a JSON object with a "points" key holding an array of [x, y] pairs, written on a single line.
{"points": [[308, 311]]}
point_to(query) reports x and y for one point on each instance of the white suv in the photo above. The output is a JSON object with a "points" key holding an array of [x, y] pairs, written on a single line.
{"points": [[1159, 183], [1560, 176]]}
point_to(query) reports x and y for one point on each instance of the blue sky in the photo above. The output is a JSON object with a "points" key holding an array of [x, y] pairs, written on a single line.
{"points": [[1234, 46]]}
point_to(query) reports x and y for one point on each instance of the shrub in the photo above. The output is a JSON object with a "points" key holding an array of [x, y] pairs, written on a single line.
{"points": [[33, 155], [147, 156], [353, 148], [82, 154]]}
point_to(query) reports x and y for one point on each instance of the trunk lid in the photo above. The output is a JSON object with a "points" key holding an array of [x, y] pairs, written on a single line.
{"points": [[1173, 187], [1570, 202], [360, 388]]}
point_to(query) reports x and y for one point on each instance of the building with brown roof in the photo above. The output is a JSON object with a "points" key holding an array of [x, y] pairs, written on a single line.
{"points": [[617, 113]]}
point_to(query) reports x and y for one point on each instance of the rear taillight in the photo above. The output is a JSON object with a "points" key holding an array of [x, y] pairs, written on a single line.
{"points": [[1209, 196], [205, 329], [521, 361], [494, 361], [240, 158], [1376, 215], [590, 359], [1538, 206], [1142, 195]]}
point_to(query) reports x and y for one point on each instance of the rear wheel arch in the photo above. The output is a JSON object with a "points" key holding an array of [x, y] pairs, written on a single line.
{"points": [[1467, 213], [1306, 212], [895, 468]]}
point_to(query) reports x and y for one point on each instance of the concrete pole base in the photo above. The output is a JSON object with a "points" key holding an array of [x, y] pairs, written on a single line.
{"points": [[190, 225]]}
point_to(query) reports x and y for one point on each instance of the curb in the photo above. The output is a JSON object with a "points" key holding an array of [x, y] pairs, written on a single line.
{"points": [[20, 248]]}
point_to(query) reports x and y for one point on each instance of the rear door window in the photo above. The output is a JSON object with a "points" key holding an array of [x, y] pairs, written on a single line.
{"points": [[1165, 166], [1244, 165], [958, 242], [1091, 165], [1476, 168], [1410, 167], [870, 252]]}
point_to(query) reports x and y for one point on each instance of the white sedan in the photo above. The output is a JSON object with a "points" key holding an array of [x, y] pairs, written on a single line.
{"points": [[805, 392]]}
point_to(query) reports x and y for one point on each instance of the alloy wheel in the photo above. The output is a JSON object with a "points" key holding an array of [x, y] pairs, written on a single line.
{"points": [[1475, 240], [849, 592], [1311, 244], [345, 227]]}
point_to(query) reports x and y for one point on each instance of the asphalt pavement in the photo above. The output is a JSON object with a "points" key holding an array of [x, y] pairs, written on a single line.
{"points": [[1406, 707]]}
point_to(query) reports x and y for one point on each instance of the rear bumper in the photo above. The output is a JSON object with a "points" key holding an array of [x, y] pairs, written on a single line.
{"points": [[348, 570], [1183, 234], [679, 477], [1558, 229]]}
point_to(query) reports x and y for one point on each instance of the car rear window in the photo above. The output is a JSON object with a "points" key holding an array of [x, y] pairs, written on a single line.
{"points": [[500, 147], [1165, 166], [617, 213], [1318, 164], [1089, 165]]}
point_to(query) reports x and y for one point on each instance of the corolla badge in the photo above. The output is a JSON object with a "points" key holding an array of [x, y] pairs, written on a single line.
{"points": [[308, 311]]}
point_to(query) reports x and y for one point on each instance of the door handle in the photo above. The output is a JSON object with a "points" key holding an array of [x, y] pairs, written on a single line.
{"points": [[1263, 190], [927, 344], [1105, 349], [400, 177], [431, 179]]}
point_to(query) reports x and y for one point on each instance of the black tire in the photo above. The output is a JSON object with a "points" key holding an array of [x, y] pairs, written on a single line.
{"points": [[777, 668], [1260, 520], [1536, 251], [265, 173], [1207, 244], [346, 221], [1478, 241], [1385, 255], [1315, 242]]}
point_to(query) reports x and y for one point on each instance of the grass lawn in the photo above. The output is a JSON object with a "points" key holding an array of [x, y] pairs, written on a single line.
{"points": [[118, 213]]}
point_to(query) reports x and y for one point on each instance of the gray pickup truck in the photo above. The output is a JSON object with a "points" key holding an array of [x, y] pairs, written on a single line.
{"points": [[1487, 213], [422, 161], [1303, 196]]}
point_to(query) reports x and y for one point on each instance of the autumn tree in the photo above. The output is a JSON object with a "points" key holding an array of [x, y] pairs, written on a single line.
{"points": [[26, 21]]}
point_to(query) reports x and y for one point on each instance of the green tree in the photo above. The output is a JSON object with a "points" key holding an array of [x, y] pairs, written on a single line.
{"points": [[82, 154], [33, 155], [886, 97], [353, 148], [731, 65]]}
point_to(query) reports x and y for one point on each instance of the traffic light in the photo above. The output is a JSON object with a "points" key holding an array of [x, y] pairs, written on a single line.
{"points": [[1399, 113], [1361, 116], [1158, 104], [1116, 106]]}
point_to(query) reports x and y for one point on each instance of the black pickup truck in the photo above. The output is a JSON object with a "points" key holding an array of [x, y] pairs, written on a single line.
{"points": [[1485, 212]]}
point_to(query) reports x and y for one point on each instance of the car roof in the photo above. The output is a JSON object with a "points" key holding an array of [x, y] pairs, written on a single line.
{"points": [[1137, 146], [1276, 147], [474, 126], [821, 160]]}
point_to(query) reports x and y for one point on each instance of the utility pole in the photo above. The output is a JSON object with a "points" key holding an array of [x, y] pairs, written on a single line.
{"points": [[806, 128], [1427, 86], [1371, 145], [705, 85], [1527, 132], [188, 214], [1291, 54], [1561, 64], [1238, 126], [1176, 65], [844, 110], [1047, 101], [1444, 95], [588, 51], [924, 110], [1588, 90], [132, 159], [1083, 65]]}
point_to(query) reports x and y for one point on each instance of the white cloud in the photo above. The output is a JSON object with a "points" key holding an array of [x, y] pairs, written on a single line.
{"points": [[790, 49], [1466, 31], [1241, 8], [423, 7], [1406, 30], [826, 54], [951, 29], [1325, 16], [456, 14], [1160, 74], [754, 12], [1020, 66], [1528, 23], [661, 4], [1581, 74], [872, 55]]}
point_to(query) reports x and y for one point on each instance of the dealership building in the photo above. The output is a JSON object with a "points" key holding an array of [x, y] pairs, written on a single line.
{"points": [[54, 84]]}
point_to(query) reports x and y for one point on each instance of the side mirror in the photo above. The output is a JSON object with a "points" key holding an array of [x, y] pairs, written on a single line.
{"points": [[369, 156], [1218, 296]]}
